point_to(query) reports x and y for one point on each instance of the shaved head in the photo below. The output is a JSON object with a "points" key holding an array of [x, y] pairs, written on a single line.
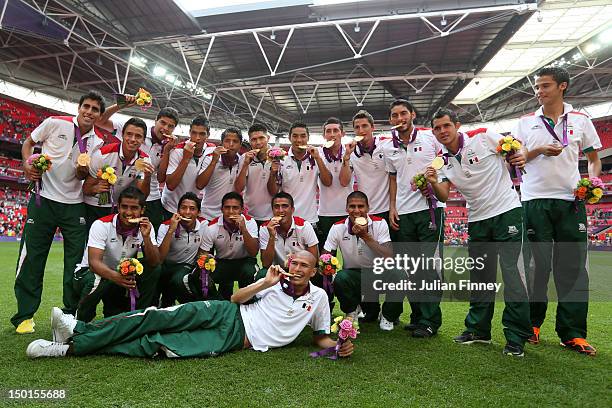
{"points": [[305, 255]]}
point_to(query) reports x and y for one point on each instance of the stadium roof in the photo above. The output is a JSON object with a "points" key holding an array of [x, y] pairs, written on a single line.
{"points": [[276, 62]]}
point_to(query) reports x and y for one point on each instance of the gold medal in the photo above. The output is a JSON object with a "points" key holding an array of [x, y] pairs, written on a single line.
{"points": [[361, 221], [437, 163], [83, 160], [329, 144], [139, 164], [358, 138]]}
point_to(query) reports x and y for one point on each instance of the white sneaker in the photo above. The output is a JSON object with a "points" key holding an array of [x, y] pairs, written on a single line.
{"points": [[353, 315], [62, 325], [360, 313], [385, 324], [45, 348]]}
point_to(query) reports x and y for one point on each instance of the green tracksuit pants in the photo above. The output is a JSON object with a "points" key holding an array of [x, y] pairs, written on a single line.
{"points": [[36, 240], [197, 329]]}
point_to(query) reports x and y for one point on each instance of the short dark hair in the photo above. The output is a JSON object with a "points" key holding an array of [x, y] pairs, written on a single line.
{"points": [[363, 114], [94, 96], [558, 74], [298, 125], [133, 192], [257, 127], [232, 195], [168, 112], [200, 120], [333, 121], [442, 112], [190, 196], [359, 195], [233, 130], [403, 102], [135, 122], [282, 194]]}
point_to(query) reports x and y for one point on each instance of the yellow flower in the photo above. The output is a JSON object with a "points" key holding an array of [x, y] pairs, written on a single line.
{"points": [[110, 170], [334, 328], [212, 261], [508, 139], [506, 147], [140, 102], [516, 145], [334, 261], [112, 179], [597, 192], [338, 319], [207, 267], [593, 200], [105, 176], [139, 268]]}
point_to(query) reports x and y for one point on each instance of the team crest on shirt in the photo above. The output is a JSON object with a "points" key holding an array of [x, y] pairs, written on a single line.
{"points": [[113, 239], [512, 230], [30, 221], [63, 137], [581, 227], [220, 236], [289, 166], [535, 127]]}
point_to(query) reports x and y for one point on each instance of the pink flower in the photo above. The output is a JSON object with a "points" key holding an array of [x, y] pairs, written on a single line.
{"points": [[343, 334], [326, 258], [352, 333], [596, 182], [346, 324]]}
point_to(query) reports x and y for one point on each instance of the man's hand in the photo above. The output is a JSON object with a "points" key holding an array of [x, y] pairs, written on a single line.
{"points": [[517, 159], [128, 282], [174, 222], [31, 173], [275, 167], [249, 156], [273, 275], [349, 148], [101, 186], [314, 152], [431, 175], [272, 225], [219, 151], [360, 230], [130, 100], [188, 150], [147, 168], [169, 145], [145, 227], [346, 349], [550, 150], [394, 219], [241, 221]]}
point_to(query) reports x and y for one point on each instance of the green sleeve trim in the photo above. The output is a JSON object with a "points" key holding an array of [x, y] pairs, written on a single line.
{"points": [[445, 180], [588, 150], [393, 173], [318, 332]]}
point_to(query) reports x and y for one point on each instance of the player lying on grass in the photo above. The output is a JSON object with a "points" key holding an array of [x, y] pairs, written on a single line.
{"points": [[269, 313]]}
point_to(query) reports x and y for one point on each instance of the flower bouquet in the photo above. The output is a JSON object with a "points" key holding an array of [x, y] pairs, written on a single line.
{"points": [[276, 154], [42, 163], [143, 99], [507, 146], [346, 328], [206, 264], [590, 190], [131, 267], [107, 173], [419, 182], [328, 266]]}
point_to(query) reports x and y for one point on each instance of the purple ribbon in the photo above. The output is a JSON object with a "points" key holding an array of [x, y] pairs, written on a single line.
{"points": [[126, 232], [330, 352], [330, 157], [79, 138], [307, 156], [519, 173], [397, 141], [360, 149], [551, 130], [232, 228], [446, 156], [229, 161], [133, 296], [432, 202], [328, 286], [287, 287], [37, 191], [204, 282], [177, 233]]}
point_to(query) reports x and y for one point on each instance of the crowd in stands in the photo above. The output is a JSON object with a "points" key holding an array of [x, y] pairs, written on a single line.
{"points": [[17, 120]]}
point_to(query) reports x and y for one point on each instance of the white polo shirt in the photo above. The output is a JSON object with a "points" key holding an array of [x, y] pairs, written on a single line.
{"points": [[371, 176], [332, 199], [221, 182], [406, 162], [275, 319], [482, 177], [227, 245], [256, 196], [355, 252], [127, 174], [58, 139], [302, 185], [154, 150], [170, 198], [103, 235], [555, 176], [301, 236], [184, 248]]}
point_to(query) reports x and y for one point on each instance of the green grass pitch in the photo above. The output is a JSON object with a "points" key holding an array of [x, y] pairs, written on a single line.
{"points": [[388, 369]]}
